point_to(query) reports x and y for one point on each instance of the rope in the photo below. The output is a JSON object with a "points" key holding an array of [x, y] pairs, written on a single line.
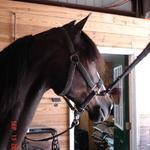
{"points": [[143, 54], [74, 123]]}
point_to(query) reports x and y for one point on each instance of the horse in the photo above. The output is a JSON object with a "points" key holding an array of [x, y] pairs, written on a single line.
{"points": [[35, 63]]}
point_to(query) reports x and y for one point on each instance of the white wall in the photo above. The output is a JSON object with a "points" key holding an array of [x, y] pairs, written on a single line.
{"points": [[142, 88], [142, 73]]}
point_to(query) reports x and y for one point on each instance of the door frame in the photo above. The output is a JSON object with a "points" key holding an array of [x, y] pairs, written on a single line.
{"points": [[132, 53]]}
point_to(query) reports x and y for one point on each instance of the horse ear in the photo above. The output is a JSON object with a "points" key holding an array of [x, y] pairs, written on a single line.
{"points": [[79, 26], [70, 24]]}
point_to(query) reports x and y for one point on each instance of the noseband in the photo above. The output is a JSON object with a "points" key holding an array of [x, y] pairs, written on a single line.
{"points": [[75, 64]]}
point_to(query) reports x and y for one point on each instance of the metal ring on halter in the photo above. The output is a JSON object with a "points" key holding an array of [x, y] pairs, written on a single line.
{"points": [[74, 58]]}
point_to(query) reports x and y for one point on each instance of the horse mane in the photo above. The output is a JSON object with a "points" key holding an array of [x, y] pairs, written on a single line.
{"points": [[91, 50], [13, 63]]}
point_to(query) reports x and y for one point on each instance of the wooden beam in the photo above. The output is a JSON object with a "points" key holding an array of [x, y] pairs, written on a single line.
{"points": [[83, 7]]}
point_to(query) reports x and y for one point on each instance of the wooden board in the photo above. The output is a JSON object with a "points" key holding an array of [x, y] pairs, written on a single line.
{"points": [[105, 29], [51, 114], [5, 28]]}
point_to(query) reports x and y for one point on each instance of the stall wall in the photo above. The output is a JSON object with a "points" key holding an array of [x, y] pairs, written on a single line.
{"points": [[105, 29]]}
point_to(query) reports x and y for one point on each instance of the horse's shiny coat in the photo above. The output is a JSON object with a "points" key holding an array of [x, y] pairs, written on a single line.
{"points": [[33, 64]]}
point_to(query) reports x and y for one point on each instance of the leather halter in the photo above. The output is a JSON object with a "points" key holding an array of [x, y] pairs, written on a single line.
{"points": [[95, 87], [75, 64]]}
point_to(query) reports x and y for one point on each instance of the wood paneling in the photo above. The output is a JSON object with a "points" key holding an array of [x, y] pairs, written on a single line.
{"points": [[105, 29], [5, 28], [110, 34], [53, 115]]}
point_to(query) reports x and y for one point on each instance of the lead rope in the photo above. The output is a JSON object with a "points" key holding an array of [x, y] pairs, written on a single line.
{"points": [[75, 122], [143, 54]]}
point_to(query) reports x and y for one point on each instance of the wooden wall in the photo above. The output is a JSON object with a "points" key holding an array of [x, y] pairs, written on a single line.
{"points": [[18, 19], [54, 115], [105, 29]]}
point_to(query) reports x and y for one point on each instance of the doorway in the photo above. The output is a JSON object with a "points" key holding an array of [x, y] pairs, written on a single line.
{"points": [[117, 63], [131, 54], [119, 117]]}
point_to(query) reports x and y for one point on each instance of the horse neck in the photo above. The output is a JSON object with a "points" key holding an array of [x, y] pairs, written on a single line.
{"points": [[20, 90], [47, 54], [16, 79]]}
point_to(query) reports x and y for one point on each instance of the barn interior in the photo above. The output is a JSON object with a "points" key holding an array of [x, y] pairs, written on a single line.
{"points": [[121, 30]]}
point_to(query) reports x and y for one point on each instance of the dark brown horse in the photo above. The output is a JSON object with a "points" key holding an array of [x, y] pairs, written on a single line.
{"points": [[33, 64]]}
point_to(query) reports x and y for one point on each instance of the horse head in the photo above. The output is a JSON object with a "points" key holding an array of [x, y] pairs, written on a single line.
{"points": [[100, 106], [75, 54]]}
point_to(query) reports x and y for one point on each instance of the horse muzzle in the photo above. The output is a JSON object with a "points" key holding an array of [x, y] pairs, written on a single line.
{"points": [[100, 113]]}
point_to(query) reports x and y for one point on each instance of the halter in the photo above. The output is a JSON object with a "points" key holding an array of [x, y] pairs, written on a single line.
{"points": [[75, 64]]}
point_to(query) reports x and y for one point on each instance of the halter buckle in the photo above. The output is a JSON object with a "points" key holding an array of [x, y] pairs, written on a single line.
{"points": [[74, 58], [96, 88]]}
